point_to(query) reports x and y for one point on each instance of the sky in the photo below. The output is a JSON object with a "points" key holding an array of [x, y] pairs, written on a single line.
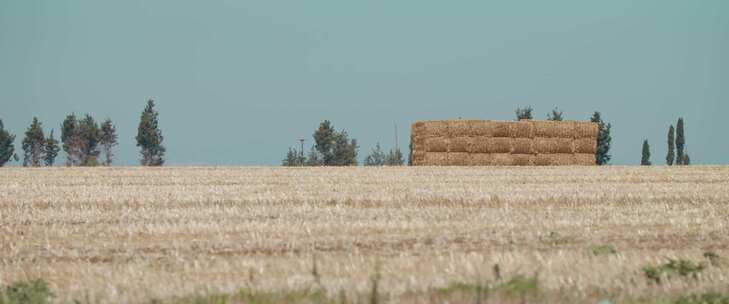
{"points": [[239, 82]]}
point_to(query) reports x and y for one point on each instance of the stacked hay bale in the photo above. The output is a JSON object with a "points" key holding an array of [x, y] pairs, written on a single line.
{"points": [[503, 143]]}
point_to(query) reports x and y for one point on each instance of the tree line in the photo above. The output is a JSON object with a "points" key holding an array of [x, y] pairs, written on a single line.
{"points": [[676, 154], [85, 142]]}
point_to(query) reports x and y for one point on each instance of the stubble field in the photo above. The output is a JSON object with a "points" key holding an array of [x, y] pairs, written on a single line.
{"points": [[422, 234]]}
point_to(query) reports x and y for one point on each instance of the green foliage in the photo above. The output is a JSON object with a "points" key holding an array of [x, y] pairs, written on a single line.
{"points": [[686, 159], [704, 298], [33, 144], [555, 115], [521, 286], [680, 142], [7, 149], [149, 137], [313, 159], [713, 258], [524, 113], [681, 267], [334, 148], [294, 158], [80, 139], [395, 158], [645, 159], [33, 292], [670, 156], [376, 158], [602, 156], [108, 141], [50, 150], [603, 250], [324, 138]]}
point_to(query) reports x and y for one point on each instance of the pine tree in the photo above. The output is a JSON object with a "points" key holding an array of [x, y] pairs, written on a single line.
{"points": [[72, 140], [108, 141], [686, 159], [7, 149], [313, 158], [395, 158], [33, 144], [645, 159], [90, 136], [671, 146], [524, 113], [292, 158], [680, 142], [324, 140], [556, 115], [50, 150], [344, 151], [376, 158], [149, 137], [603, 140]]}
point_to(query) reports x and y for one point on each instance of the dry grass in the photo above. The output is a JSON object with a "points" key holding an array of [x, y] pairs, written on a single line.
{"points": [[134, 234]]}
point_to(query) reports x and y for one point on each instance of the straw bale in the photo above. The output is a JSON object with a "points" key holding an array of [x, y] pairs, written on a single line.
{"points": [[491, 145], [500, 128], [436, 159], [560, 159], [459, 128], [554, 129], [502, 159], [459, 159], [459, 144], [417, 128], [481, 159], [586, 129], [435, 128], [484, 128], [522, 159], [418, 156], [436, 144], [584, 159], [553, 145], [522, 146], [520, 129], [585, 145]]}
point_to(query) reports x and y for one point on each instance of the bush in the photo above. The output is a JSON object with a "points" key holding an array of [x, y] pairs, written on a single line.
{"points": [[681, 267], [34, 292]]}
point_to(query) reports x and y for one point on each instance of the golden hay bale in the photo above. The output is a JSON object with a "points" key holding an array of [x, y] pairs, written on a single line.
{"points": [[484, 128], [520, 129], [459, 144], [561, 159], [523, 159], [502, 159], [459, 159], [459, 128], [436, 144], [435, 128], [490, 145], [418, 157], [522, 146], [553, 145], [500, 128], [481, 159], [586, 129], [554, 129], [436, 159], [585, 145], [584, 159]]}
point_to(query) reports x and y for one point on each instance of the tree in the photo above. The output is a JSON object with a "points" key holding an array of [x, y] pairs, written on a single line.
{"points": [[686, 160], [108, 140], [394, 158], [313, 158], [603, 140], [324, 138], [90, 135], [149, 137], [344, 150], [556, 115], [50, 150], [293, 159], [71, 140], [33, 144], [680, 142], [7, 149], [671, 145], [410, 155], [334, 148], [645, 159], [524, 113], [376, 158]]}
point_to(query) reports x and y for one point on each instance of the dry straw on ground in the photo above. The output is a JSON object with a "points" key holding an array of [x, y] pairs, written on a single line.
{"points": [[130, 235], [526, 143]]}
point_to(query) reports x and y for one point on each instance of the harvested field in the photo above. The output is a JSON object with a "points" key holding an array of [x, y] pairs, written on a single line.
{"points": [[580, 234]]}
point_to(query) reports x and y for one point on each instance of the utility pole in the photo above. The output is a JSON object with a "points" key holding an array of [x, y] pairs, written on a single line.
{"points": [[302, 151]]}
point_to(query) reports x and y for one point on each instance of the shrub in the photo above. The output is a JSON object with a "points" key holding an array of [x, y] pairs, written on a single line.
{"points": [[33, 292]]}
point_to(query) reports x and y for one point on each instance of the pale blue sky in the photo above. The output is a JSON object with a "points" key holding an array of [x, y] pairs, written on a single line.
{"points": [[237, 82]]}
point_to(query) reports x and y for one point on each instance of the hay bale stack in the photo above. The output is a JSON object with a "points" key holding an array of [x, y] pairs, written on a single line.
{"points": [[503, 143]]}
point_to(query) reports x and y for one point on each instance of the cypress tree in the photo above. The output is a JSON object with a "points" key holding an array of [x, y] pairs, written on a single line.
{"points": [[108, 140], [671, 145], [50, 150], [149, 137], [603, 140], [7, 149], [90, 135], [680, 142], [33, 144], [645, 159]]}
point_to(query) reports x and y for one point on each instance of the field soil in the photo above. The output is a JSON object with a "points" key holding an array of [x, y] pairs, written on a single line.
{"points": [[409, 234]]}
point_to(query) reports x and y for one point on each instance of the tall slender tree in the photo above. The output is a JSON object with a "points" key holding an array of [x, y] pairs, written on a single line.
{"points": [[670, 156], [72, 140], [149, 137], [645, 159], [394, 158], [91, 136], [50, 150], [7, 148], [33, 144], [555, 115], [324, 140], [680, 142], [108, 141], [602, 156]]}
